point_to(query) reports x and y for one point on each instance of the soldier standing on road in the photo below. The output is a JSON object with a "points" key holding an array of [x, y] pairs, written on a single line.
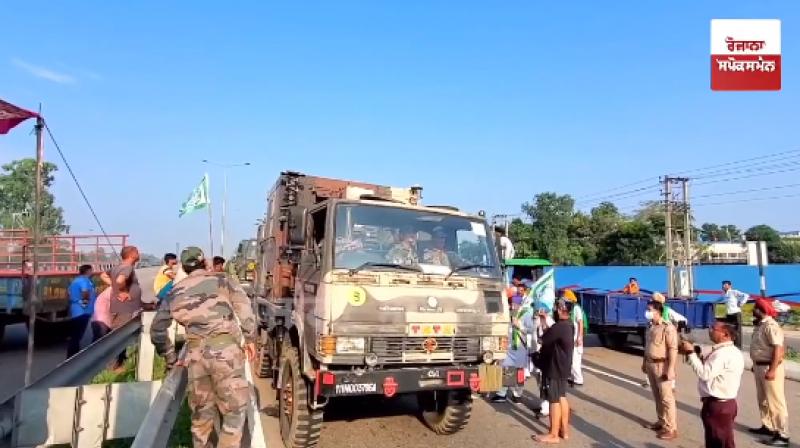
{"points": [[660, 356], [734, 300], [766, 351], [207, 305]]}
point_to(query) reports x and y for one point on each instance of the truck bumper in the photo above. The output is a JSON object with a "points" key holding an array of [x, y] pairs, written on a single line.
{"points": [[485, 378]]}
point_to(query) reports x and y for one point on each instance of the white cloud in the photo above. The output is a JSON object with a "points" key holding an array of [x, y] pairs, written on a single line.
{"points": [[44, 73]]}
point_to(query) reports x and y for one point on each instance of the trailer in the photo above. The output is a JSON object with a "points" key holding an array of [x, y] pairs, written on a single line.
{"points": [[615, 316]]}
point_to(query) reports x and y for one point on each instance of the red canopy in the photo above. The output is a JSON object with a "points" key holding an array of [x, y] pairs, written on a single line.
{"points": [[11, 115]]}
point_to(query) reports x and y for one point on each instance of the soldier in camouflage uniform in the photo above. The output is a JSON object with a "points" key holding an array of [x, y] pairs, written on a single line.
{"points": [[404, 252], [208, 305], [438, 253]]}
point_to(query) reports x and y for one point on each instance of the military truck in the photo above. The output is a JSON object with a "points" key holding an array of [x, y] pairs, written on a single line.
{"points": [[362, 290], [243, 262]]}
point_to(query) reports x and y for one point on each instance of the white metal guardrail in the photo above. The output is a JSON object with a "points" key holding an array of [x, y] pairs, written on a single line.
{"points": [[60, 408]]}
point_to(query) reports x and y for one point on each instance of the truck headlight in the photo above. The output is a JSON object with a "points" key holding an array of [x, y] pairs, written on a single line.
{"points": [[349, 345]]}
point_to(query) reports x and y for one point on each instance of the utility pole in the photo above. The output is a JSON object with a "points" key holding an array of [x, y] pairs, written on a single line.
{"points": [[687, 237], [224, 167], [668, 237], [679, 232]]}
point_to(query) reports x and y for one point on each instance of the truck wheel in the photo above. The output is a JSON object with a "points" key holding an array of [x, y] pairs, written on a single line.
{"points": [[264, 363], [445, 412], [604, 340], [2, 332], [618, 340], [300, 425]]}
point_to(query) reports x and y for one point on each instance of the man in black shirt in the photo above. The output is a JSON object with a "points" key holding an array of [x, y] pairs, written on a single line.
{"points": [[555, 361]]}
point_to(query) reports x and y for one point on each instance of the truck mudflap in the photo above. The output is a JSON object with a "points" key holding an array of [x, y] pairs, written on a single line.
{"points": [[485, 378]]}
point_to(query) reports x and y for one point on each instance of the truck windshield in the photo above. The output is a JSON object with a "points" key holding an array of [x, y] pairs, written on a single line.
{"points": [[377, 237], [250, 250]]}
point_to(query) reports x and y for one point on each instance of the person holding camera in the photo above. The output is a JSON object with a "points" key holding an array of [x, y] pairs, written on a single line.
{"points": [[719, 375]]}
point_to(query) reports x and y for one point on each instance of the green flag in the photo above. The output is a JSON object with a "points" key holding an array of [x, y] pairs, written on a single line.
{"points": [[198, 199]]}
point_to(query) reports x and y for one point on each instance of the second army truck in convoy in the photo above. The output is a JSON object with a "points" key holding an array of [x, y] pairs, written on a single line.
{"points": [[362, 290]]}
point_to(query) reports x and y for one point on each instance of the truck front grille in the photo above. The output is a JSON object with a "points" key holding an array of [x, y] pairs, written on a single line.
{"points": [[401, 349]]}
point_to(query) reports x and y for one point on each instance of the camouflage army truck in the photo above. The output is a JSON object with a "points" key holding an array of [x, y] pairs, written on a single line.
{"points": [[243, 262], [362, 290]]}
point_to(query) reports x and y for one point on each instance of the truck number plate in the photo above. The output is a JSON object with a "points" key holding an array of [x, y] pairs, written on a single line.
{"points": [[356, 388], [431, 330]]}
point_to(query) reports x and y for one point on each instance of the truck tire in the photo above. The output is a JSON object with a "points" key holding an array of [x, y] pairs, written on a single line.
{"points": [[300, 425], [264, 363], [618, 340], [2, 331], [445, 412]]}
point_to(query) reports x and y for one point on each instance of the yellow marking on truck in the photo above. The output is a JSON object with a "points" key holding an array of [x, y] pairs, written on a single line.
{"points": [[357, 296]]}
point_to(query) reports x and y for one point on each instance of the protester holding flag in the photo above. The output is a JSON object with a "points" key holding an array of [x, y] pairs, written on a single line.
{"points": [[520, 336]]}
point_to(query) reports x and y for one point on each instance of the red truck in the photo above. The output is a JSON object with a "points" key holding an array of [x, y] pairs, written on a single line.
{"points": [[59, 258]]}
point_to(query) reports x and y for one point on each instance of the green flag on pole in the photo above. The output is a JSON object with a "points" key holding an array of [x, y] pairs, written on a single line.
{"points": [[198, 199]]}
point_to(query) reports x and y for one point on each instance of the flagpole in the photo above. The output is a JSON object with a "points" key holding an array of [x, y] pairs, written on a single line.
{"points": [[210, 226], [33, 299]]}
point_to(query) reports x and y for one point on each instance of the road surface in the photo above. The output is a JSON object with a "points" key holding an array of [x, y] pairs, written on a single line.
{"points": [[14, 346], [609, 411]]}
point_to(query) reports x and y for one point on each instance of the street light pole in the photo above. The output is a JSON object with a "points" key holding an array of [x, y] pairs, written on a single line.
{"points": [[224, 203]]}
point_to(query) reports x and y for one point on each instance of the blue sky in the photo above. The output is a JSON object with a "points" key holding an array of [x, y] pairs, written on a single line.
{"points": [[484, 104]]}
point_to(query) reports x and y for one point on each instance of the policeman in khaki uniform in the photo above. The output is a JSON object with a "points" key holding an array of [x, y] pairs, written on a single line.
{"points": [[766, 351], [208, 305], [660, 356]]}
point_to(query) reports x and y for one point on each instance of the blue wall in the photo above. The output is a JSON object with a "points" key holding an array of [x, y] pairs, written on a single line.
{"points": [[780, 278]]}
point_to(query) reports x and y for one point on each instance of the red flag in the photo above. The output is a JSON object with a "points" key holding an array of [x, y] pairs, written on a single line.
{"points": [[11, 115]]}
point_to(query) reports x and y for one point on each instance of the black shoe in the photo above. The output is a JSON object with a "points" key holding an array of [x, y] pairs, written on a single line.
{"points": [[776, 441], [762, 431], [515, 399], [498, 399]]}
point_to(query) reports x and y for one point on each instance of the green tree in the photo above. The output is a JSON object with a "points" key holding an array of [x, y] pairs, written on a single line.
{"points": [[17, 183], [730, 232], [521, 234], [634, 243], [762, 232], [583, 239], [710, 232], [551, 215]]}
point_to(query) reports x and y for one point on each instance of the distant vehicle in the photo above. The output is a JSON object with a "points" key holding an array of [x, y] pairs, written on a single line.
{"points": [[348, 308], [243, 262], [59, 258], [614, 316]]}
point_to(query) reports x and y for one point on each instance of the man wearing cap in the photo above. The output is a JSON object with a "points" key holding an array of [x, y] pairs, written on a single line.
{"points": [[660, 358], [217, 316], [576, 316], [766, 351], [675, 318]]}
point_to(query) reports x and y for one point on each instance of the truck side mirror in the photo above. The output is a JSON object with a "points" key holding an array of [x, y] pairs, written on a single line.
{"points": [[297, 225]]}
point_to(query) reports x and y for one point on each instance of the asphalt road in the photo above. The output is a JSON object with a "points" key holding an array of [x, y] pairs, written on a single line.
{"points": [[14, 346], [609, 411]]}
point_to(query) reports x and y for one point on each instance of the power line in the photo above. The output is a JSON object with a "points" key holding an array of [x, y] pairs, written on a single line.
{"points": [[765, 159], [632, 184], [737, 201], [796, 153], [623, 195], [709, 182], [756, 169], [80, 189], [752, 190]]}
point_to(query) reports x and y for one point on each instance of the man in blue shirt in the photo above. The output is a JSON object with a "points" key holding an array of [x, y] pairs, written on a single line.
{"points": [[82, 296]]}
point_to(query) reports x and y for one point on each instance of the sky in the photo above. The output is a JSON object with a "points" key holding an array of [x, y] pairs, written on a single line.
{"points": [[483, 104]]}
